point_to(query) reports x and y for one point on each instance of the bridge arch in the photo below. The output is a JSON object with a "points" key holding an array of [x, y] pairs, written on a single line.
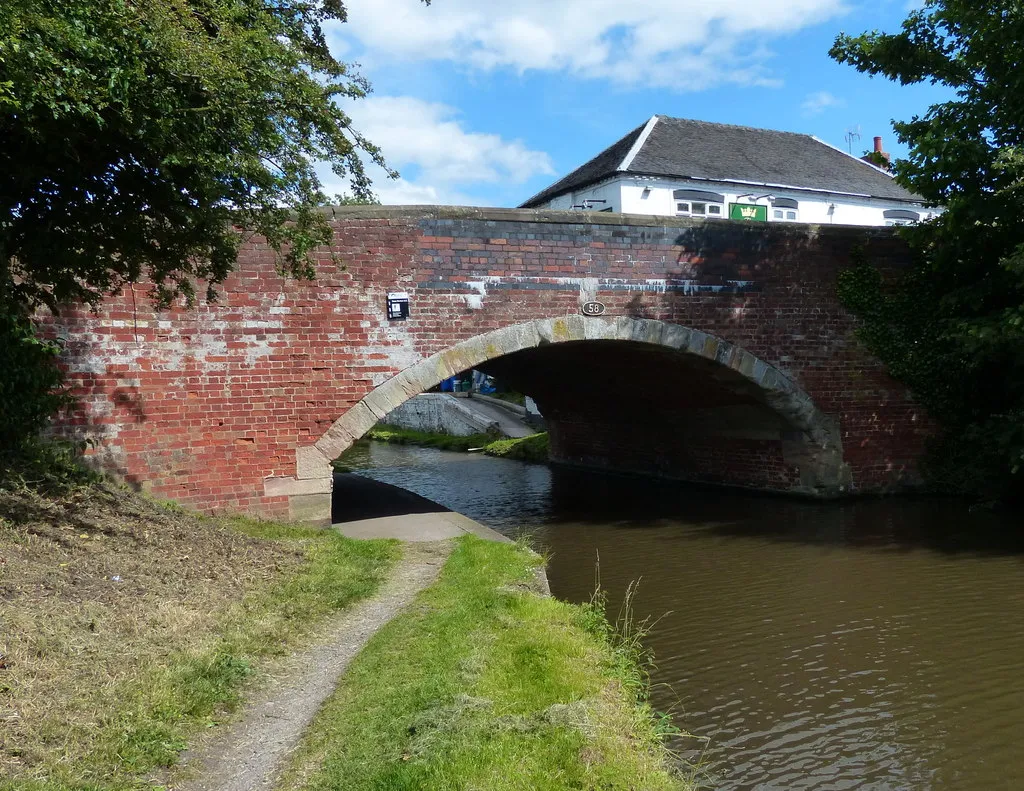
{"points": [[810, 438]]}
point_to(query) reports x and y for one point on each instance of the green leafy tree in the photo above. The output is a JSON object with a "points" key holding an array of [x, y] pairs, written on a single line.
{"points": [[952, 327], [30, 387], [142, 138], [140, 135]]}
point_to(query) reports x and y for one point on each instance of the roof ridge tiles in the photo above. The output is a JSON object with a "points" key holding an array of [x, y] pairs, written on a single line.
{"points": [[722, 124]]}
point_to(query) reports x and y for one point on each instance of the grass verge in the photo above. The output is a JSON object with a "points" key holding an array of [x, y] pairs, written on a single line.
{"points": [[127, 627], [427, 439], [533, 449], [485, 684]]}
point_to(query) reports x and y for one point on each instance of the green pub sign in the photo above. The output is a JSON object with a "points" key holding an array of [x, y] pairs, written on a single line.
{"points": [[748, 212]]}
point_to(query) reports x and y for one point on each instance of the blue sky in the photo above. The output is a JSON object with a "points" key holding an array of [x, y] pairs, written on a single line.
{"points": [[486, 103]]}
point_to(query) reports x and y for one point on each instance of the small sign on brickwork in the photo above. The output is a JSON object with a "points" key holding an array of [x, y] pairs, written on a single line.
{"points": [[592, 308], [398, 306]]}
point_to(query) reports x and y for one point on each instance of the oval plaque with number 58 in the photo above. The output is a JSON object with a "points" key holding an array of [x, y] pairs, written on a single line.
{"points": [[592, 308]]}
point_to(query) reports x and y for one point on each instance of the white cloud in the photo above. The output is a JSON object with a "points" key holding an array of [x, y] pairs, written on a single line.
{"points": [[401, 192], [430, 136], [682, 44], [819, 101], [398, 192], [429, 139]]}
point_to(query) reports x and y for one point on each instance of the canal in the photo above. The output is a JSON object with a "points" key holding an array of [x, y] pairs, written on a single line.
{"points": [[873, 644]]}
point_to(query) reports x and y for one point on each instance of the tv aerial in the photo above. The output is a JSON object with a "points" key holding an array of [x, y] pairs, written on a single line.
{"points": [[852, 133]]}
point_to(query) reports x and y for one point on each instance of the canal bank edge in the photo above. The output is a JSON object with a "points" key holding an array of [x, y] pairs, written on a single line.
{"points": [[533, 449], [487, 681]]}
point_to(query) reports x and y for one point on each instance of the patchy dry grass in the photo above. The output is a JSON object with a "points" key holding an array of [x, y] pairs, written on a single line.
{"points": [[126, 627], [484, 684]]}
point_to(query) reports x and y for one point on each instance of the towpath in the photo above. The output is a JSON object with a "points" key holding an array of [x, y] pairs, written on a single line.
{"points": [[250, 753]]}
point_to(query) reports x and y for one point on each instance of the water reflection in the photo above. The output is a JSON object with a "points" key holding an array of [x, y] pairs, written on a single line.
{"points": [[871, 644]]}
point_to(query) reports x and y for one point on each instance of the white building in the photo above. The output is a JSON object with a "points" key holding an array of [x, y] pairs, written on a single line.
{"points": [[683, 168]]}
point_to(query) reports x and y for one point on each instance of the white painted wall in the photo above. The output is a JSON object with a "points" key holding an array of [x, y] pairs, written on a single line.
{"points": [[626, 195], [561, 202], [440, 413]]}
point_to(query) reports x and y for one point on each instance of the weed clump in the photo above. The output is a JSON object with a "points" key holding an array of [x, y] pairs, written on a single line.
{"points": [[533, 449]]}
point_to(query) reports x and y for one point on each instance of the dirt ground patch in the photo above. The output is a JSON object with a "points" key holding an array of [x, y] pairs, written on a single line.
{"points": [[101, 591]]}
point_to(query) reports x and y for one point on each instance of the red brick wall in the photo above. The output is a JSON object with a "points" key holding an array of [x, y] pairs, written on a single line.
{"points": [[201, 406]]}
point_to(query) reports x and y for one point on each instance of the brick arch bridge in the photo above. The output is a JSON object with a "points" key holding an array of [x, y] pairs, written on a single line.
{"points": [[723, 355]]}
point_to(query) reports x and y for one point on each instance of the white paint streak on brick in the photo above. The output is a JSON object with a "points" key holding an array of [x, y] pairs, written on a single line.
{"points": [[259, 324], [87, 365], [102, 408]]}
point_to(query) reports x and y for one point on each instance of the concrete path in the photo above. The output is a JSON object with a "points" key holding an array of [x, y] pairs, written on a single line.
{"points": [[419, 527], [251, 753], [507, 422]]}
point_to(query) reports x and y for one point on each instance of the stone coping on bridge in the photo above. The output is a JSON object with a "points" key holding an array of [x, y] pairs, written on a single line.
{"points": [[563, 216]]}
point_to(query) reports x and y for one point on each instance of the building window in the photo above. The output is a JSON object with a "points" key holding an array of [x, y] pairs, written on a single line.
{"points": [[699, 203], [698, 209], [785, 210], [900, 217]]}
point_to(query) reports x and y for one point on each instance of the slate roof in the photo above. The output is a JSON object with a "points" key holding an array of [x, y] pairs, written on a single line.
{"points": [[685, 149]]}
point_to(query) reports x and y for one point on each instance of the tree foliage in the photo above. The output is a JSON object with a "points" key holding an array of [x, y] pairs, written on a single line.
{"points": [[952, 327], [139, 136], [140, 140], [30, 385]]}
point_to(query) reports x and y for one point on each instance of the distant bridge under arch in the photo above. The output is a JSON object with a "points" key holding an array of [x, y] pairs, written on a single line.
{"points": [[722, 356]]}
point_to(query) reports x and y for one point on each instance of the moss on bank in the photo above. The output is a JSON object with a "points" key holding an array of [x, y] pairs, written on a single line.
{"points": [[484, 683], [427, 439], [532, 449], [127, 626]]}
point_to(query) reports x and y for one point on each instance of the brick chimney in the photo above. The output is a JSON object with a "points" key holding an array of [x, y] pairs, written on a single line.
{"points": [[879, 157]]}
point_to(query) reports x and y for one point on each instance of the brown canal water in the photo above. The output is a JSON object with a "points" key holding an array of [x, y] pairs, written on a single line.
{"points": [[872, 644]]}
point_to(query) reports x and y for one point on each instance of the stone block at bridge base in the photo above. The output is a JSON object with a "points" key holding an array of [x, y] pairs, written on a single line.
{"points": [[313, 509]]}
